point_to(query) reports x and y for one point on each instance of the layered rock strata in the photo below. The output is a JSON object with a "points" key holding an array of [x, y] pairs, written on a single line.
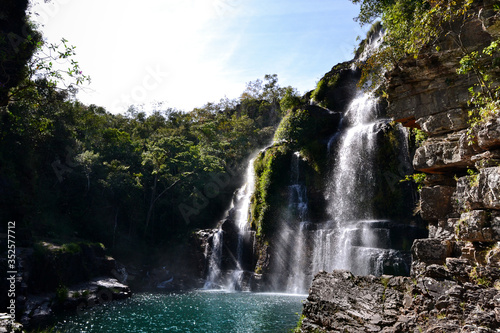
{"points": [[455, 275]]}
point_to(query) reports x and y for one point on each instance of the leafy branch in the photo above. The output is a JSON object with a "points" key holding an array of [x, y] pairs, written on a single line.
{"points": [[485, 94], [55, 64]]}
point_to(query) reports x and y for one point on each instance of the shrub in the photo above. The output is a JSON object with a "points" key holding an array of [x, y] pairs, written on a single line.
{"points": [[62, 293]]}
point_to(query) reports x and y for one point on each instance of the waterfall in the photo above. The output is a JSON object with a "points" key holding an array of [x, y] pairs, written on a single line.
{"points": [[242, 207], [353, 239], [352, 180], [342, 230], [214, 261], [291, 263], [297, 204], [230, 241], [243, 197], [342, 243]]}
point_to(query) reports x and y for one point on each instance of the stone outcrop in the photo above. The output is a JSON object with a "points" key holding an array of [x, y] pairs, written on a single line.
{"points": [[341, 302], [443, 154], [480, 191]]}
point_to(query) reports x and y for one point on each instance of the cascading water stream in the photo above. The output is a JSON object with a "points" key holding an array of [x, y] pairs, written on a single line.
{"points": [[342, 243], [297, 279], [214, 261], [353, 239], [242, 208], [290, 272], [237, 215]]}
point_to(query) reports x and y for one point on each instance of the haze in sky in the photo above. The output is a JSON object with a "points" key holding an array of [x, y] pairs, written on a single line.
{"points": [[186, 53]]}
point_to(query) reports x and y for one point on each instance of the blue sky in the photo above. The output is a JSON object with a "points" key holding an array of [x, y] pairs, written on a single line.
{"points": [[186, 53]]}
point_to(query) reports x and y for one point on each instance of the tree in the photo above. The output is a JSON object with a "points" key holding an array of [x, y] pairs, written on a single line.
{"points": [[87, 159], [18, 42], [409, 25], [290, 99]]}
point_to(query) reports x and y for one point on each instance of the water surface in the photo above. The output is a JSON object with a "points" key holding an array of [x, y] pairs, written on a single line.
{"points": [[198, 311]]}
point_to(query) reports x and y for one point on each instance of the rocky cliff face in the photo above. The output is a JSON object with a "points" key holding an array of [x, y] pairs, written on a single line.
{"points": [[455, 275]]}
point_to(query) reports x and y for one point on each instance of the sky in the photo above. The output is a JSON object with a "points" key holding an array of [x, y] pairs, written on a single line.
{"points": [[186, 53]]}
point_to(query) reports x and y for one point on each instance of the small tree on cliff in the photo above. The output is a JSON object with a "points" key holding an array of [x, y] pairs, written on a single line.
{"points": [[409, 26]]}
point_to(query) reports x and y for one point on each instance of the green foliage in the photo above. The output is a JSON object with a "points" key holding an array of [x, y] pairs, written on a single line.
{"points": [[409, 26], [485, 94], [267, 200], [80, 172], [417, 178], [473, 177], [420, 136], [385, 281], [302, 126], [18, 41], [298, 328], [413, 25], [320, 91], [120, 179], [294, 126], [45, 63], [441, 316], [72, 248], [324, 86], [476, 277], [49, 65], [268, 90], [62, 293], [290, 99]]}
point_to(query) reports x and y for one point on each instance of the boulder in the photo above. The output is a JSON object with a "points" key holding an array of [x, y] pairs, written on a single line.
{"points": [[488, 134], [436, 202], [341, 302], [443, 229], [445, 153], [488, 159], [433, 179], [444, 122], [476, 226], [431, 251], [481, 191]]}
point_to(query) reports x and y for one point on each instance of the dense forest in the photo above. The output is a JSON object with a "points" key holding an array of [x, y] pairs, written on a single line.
{"points": [[136, 181]]}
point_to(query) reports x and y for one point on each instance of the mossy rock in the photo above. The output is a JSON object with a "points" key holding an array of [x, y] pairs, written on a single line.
{"points": [[302, 126], [337, 87], [66, 264], [270, 187]]}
